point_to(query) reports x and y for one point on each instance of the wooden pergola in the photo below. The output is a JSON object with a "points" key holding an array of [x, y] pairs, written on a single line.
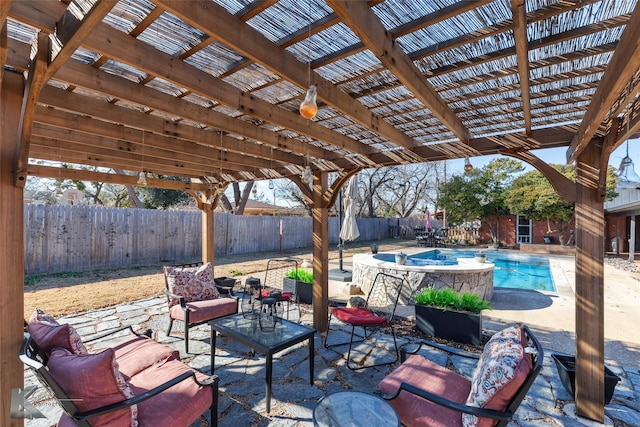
{"points": [[208, 92]]}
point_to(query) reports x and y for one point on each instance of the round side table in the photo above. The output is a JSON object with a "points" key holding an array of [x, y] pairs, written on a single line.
{"points": [[354, 409]]}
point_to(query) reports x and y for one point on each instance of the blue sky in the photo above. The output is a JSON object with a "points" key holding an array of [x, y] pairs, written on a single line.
{"points": [[554, 155], [550, 155]]}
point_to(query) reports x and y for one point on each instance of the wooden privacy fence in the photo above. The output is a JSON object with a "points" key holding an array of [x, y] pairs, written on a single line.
{"points": [[60, 238]]}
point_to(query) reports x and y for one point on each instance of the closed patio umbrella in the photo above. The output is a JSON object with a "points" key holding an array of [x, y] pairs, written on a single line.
{"points": [[349, 230]]}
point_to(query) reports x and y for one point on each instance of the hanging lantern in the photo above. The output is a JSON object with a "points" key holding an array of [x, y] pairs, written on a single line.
{"points": [[307, 175], [142, 179], [220, 187], [308, 107], [468, 167], [254, 191], [271, 184], [627, 176]]}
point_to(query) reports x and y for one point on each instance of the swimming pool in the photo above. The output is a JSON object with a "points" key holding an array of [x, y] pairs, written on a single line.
{"points": [[512, 270]]}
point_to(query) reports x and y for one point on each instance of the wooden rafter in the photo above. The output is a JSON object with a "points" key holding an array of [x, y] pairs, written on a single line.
{"points": [[623, 64], [216, 21], [368, 27], [522, 53], [128, 50]]}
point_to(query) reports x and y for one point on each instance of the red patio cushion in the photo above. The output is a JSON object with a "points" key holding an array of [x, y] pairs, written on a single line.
{"points": [[357, 316], [138, 353], [284, 296], [48, 334], [193, 283], [205, 310], [431, 377]]}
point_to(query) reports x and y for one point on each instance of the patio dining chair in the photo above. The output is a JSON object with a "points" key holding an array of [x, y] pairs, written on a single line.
{"points": [[193, 297], [378, 312], [274, 286]]}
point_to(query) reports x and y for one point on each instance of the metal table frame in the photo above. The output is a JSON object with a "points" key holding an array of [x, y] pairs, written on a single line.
{"points": [[228, 326]]}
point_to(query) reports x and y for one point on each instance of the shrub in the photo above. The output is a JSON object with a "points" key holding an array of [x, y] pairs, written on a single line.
{"points": [[301, 275], [448, 299]]}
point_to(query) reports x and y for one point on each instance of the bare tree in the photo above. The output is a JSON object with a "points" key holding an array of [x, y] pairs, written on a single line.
{"points": [[239, 198]]}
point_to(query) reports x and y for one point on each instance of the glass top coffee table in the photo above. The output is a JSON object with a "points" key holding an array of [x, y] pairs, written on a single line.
{"points": [[248, 332], [354, 409]]}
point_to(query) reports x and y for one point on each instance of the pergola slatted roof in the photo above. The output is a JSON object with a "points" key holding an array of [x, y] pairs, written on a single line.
{"points": [[208, 92], [226, 78]]}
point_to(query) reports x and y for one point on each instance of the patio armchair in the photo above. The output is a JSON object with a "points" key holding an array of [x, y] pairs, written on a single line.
{"points": [[135, 381], [427, 394], [193, 297], [377, 313]]}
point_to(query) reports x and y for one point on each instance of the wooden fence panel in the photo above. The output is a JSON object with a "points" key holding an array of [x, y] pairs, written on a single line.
{"points": [[71, 238]]}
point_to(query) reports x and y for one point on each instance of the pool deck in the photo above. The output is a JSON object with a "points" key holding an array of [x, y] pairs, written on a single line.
{"points": [[552, 314]]}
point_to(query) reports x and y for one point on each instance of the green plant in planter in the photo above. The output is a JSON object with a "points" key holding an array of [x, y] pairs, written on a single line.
{"points": [[300, 281], [447, 314], [301, 275], [448, 299]]}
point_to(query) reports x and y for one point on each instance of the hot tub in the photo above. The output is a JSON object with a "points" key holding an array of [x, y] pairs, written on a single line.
{"points": [[438, 271]]}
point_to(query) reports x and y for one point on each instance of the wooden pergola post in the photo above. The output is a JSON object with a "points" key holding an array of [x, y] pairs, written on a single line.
{"points": [[208, 234], [11, 246], [589, 211], [320, 228]]}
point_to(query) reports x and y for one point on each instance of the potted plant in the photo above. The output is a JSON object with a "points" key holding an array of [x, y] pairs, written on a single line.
{"points": [[300, 282], [450, 315]]}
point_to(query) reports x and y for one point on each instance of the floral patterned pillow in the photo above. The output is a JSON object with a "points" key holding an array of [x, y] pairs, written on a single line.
{"points": [[194, 283], [502, 369], [48, 334], [94, 381]]}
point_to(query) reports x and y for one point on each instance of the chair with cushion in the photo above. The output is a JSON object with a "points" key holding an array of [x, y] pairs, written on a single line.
{"points": [[193, 297], [135, 381], [378, 312], [427, 394]]}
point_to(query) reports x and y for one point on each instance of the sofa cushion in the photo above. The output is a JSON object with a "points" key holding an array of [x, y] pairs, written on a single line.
{"points": [[48, 334], [138, 353], [193, 283], [431, 377], [501, 371], [93, 381], [179, 405], [201, 311]]}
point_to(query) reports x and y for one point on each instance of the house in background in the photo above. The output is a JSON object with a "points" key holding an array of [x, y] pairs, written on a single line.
{"points": [[620, 216]]}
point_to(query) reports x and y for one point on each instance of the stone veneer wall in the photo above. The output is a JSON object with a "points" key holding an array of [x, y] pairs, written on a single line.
{"points": [[477, 282]]}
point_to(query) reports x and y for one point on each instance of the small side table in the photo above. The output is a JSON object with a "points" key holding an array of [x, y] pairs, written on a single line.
{"points": [[354, 409]]}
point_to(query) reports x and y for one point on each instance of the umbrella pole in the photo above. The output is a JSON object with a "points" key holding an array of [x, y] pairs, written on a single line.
{"points": [[339, 225]]}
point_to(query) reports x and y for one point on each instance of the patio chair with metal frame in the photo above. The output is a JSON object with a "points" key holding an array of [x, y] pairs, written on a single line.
{"points": [[274, 285], [194, 298], [378, 312]]}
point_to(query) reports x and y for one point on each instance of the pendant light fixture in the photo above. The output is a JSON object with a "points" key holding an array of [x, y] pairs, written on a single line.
{"points": [[271, 186], [468, 167], [627, 176], [142, 178], [309, 107]]}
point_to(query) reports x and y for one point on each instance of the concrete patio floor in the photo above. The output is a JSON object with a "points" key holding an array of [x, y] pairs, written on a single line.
{"points": [[242, 394]]}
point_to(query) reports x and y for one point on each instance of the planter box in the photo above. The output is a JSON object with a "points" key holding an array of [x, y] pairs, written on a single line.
{"points": [[567, 370], [303, 290], [457, 326]]}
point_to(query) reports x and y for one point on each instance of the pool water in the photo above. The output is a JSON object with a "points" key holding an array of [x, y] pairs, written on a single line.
{"points": [[512, 270]]}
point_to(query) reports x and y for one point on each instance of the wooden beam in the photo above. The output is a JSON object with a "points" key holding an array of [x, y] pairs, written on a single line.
{"points": [[623, 65], [320, 229], [367, 26], [519, 12], [565, 188], [88, 77], [72, 31], [589, 280], [3, 44], [35, 81], [128, 50], [112, 178], [11, 249], [217, 22]]}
